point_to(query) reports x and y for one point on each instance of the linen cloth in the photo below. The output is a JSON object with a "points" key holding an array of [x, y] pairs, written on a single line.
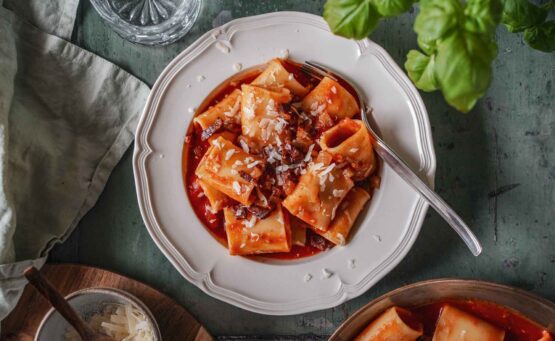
{"points": [[66, 118]]}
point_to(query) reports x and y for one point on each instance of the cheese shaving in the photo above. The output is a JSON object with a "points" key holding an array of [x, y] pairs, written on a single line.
{"points": [[244, 145], [120, 322], [229, 154], [253, 164], [309, 153], [236, 187], [338, 193]]}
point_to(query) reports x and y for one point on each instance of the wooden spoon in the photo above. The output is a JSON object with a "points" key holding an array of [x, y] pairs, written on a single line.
{"points": [[62, 306]]}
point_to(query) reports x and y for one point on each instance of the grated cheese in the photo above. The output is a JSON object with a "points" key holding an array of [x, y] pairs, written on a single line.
{"points": [[118, 321], [281, 123], [249, 106], [229, 154], [309, 153], [236, 187], [338, 193], [255, 237], [244, 145], [250, 223], [253, 164], [223, 47], [334, 89], [341, 239], [237, 67]]}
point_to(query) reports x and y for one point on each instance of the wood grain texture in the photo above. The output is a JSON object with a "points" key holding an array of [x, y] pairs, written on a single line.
{"points": [[507, 139], [174, 321]]}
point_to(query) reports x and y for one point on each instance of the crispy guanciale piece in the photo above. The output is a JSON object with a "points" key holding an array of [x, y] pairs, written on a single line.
{"points": [[454, 324], [394, 324], [345, 217], [276, 76], [221, 168], [226, 110], [349, 141], [319, 192], [254, 236], [330, 97]]}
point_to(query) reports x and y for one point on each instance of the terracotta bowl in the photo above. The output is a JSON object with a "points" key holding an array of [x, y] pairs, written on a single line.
{"points": [[535, 308]]}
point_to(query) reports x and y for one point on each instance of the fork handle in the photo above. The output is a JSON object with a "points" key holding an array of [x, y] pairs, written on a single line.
{"points": [[441, 207]]}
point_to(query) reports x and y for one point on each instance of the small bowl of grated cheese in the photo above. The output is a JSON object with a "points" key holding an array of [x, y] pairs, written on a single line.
{"points": [[113, 312]]}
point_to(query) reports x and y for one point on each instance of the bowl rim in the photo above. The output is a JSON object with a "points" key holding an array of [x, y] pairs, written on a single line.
{"points": [[132, 299], [449, 281]]}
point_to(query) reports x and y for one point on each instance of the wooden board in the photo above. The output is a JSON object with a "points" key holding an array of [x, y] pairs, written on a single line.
{"points": [[174, 321]]}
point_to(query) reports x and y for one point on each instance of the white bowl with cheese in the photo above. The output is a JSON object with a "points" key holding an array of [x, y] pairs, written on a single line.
{"points": [[114, 312]]}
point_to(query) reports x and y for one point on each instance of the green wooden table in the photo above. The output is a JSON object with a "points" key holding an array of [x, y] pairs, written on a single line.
{"points": [[496, 165]]}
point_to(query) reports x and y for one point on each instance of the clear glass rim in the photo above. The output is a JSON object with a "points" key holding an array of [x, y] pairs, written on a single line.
{"points": [[164, 33]]}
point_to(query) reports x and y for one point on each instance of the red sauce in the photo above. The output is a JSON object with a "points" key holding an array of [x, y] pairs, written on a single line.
{"points": [[214, 223], [516, 326]]}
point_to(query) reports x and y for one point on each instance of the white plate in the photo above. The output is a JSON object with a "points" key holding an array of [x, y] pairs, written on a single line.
{"points": [[388, 226]]}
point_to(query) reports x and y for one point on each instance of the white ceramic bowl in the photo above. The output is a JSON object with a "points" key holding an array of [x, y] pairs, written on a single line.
{"points": [[87, 302], [387, 227]]}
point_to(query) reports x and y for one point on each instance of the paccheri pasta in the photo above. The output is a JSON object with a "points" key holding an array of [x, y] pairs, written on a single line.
{"points": [[453, 320], [278, 162]]}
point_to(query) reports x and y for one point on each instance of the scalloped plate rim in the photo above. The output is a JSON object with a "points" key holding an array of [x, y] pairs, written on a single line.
{"points": [[203, 280]]}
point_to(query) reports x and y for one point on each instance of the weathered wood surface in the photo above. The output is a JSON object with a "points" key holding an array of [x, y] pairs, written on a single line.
{"points": [[496, 165], [175, 323]]}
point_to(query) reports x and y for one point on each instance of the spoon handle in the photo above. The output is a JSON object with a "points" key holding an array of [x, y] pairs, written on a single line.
{"points": [[59, 303]]}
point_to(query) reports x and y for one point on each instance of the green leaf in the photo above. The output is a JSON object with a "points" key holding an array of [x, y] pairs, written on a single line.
{"points": [[518, 15], [437, 18], [541, 37], [389, 8], [482, 16], [351, 18], [427, 46], [463, 68], [421, 70]]}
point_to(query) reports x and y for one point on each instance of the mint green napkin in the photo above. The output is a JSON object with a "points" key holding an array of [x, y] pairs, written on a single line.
{"points": [[66, 118]]}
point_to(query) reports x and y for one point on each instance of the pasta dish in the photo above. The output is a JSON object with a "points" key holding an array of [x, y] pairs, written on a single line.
{"points": [[279, 163]]}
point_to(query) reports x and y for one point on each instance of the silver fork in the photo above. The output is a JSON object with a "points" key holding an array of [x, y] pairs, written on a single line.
{"points": [[399, 166]]}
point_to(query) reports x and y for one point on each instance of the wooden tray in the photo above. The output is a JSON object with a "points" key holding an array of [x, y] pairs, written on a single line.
{"points": [[174, 321]]}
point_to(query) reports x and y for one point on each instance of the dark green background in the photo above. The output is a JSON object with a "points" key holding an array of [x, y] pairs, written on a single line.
{"points": [[495, 165]]}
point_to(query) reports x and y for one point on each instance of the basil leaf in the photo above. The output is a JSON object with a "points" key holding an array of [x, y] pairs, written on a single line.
{"points": [[541, 37], [482, 16], [427, 46], [351, 18], [437, 18], [421, 70], [389, 8], [463, 68], [518, 15]]}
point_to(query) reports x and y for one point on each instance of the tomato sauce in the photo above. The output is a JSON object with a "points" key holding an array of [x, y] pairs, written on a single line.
{"points": [[516, 326], [214, 222]]}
